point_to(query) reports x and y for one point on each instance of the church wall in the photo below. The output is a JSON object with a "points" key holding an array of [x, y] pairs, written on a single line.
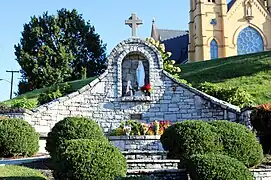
{"points": [[229, 24], [102, 99], [206, 31], [236, 22]]}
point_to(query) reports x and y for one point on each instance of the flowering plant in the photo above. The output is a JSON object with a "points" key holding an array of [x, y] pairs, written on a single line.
{"points": [[146, 89], [132, 127], [158, 128]]}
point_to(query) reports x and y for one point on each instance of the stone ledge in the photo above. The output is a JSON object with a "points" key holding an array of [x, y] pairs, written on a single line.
{"points": [[143, 152], [115, 138], [137, 171], [158, 161], [137, 99], [260, 170], [10, 110]]}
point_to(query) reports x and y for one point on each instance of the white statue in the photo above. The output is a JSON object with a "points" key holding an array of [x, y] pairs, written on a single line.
{"points": [[129, 89], [140, 74], [249, 12]]}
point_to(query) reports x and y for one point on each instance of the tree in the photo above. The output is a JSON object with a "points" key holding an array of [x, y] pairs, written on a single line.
{"points": [[56, 49]]}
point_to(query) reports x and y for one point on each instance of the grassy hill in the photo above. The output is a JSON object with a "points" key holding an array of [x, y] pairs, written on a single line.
{"points": [[33, 95], [250, 72]]}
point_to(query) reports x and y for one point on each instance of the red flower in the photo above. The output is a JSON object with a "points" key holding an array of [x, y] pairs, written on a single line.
{"points": [[148, 87]]}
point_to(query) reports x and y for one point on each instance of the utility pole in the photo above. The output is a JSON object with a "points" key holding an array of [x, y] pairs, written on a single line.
{"points": [[11, 82]]}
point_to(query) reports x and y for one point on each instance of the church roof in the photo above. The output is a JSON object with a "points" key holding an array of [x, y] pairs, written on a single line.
{"points": [[176, 42], [230, 4]]}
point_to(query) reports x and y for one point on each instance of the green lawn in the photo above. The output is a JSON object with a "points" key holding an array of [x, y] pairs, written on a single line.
{"points": [[33, 95], [250, 72], [20, 173]]}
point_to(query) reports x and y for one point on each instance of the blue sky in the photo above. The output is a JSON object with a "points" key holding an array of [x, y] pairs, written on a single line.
{"points": [[106, 15]]}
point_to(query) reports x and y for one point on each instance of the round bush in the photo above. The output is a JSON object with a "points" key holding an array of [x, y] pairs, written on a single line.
{"points": [[217, 167], [72, 128], [239, 142], [17, 138], [89, 159], [186, 138]]}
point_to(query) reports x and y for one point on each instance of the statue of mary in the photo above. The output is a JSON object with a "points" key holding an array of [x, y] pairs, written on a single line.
{"points": [[140, 74]]}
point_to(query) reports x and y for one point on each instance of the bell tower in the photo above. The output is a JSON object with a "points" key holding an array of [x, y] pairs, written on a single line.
{"points": [[206, 28]]}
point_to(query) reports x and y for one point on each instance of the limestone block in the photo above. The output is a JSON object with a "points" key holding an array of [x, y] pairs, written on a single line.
{"points": [[171, 117]]}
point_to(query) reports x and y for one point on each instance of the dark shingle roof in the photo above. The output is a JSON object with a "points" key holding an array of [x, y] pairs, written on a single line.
{"points": [[166, 34], [230, 4], [176, 42]]}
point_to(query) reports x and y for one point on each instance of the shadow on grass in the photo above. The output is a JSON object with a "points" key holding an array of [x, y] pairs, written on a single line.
{"points": [[22, 178]]}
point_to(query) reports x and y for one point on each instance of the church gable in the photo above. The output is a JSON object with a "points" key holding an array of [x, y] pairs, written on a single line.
{"points": [[247, 10]]}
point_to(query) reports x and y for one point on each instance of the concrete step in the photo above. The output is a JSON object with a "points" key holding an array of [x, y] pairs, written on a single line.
{"points": [[152, 164], [157, 174], [148, 155]]}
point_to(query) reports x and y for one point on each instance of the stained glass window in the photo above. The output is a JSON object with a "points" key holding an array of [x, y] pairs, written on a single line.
{"points": [[214, 49], [249, 41]]}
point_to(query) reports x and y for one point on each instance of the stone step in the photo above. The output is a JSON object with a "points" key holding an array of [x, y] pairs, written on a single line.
{"points": [[152, 164], [157, 174], [148, 155]]}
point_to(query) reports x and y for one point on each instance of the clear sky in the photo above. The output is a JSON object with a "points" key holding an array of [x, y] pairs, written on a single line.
{"points": [[106, 15]]}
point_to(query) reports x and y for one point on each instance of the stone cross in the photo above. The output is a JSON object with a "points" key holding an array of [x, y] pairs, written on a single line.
{"points": [[133, 22]]}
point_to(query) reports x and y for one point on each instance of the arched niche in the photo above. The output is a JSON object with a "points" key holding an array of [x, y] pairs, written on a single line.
{"points": [[129, 67]]}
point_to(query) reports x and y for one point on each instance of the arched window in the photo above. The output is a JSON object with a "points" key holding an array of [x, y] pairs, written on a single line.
{"points": [[214, 49], [249, 41]]}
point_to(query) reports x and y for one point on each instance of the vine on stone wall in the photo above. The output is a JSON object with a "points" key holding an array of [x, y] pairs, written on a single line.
{"points": [[169, 65]]}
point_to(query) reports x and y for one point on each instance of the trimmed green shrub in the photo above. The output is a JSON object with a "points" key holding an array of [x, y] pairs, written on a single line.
{"points": [[217, 167], [239, 142], [17, 138], [233, 95], [198, 137], [89, 159], [72, 128], [186, 138]]}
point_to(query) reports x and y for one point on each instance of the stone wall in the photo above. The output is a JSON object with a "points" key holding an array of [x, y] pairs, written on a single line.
{"points": [[261, 174], [103, 101], [140, 143]]}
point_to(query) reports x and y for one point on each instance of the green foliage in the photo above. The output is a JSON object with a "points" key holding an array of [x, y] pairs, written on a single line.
{"points": [[89, 159], [33, 95], [54, 48], [117, 132], [186, 138], [136, 128], [72, 128], [23, 103], [17, 138], [84, 73], [239, 142], [169, 65], [190, 137], [233, 95], [54, 93], [11, 172], [217, 167], [252, 72]]}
